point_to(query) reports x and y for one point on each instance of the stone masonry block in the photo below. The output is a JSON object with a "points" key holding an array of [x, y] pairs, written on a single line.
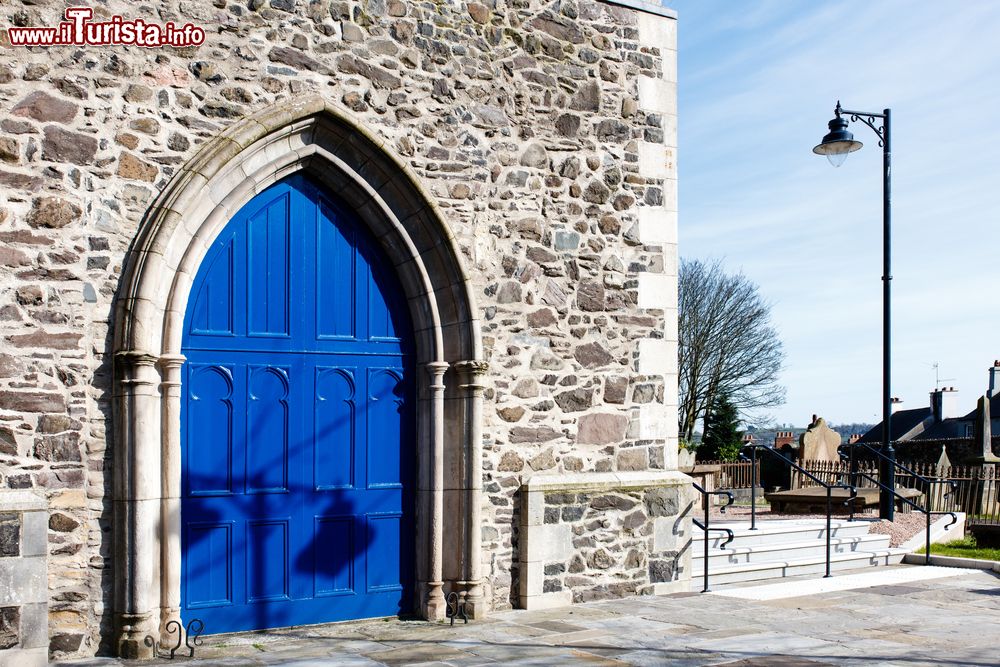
{"points": [[670, 414], [657, 290], [548, 542], [657, 95], [532, 579], [672, 535], [35, 533], [670, 331], [670, 451], [657, 225], [10, 535], [657, 357], [23, 580], [671, 390], [35, 625], [10, 627], [533, 509], [36, 657], [670, 259], [653, 160], [658, 31], [547, 600], [652, 424], [669, 191], [668, 122]]}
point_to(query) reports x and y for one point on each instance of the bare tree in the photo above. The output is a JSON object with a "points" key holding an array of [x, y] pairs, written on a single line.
{"points": [[727, 344]]}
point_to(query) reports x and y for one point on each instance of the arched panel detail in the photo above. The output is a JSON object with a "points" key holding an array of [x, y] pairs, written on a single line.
{"points": [[267, 424], [335, 409], [211, 401]]}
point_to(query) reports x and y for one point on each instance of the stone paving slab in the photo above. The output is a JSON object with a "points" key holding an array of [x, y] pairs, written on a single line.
{"points": [[939, 622]]}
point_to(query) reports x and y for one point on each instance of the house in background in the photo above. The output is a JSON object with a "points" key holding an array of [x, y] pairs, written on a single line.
{"points": [[919, 433]]}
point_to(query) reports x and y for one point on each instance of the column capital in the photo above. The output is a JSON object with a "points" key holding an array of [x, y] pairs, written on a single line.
{"points": [[137, 368], [472, 371], [436, 371], [136, 358], [170, 361], [170, 366]]}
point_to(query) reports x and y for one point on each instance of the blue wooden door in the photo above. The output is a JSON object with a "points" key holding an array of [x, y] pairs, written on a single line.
{"points": [[296, 421]]}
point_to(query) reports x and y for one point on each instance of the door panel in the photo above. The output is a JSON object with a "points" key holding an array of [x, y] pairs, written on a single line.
{"points": [[209, 557], [386, 391], [297, 415], [335, 540], [267, 430], [334, 435], [210, 428], [212, 313], [384, 534], [267, 251], [267, 563]]}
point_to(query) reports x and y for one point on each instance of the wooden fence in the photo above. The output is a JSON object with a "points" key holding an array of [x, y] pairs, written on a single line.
{"points": [[732, 474]]}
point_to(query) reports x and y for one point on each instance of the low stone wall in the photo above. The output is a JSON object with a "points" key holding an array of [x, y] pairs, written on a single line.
{"points": [[24, 629], [594, 536]]}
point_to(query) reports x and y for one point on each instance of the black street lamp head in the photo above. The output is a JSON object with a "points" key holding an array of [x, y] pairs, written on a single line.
{"points": [[838, 142]]}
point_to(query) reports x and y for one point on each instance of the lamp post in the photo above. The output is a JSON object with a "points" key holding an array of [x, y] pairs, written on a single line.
{"points": [[836, 146]]}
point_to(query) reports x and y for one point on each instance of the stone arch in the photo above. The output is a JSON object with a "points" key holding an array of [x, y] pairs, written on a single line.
{"points": [[313, 135]]}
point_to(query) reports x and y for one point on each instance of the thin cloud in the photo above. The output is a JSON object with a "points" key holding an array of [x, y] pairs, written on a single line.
{"points": [[757, 83]]}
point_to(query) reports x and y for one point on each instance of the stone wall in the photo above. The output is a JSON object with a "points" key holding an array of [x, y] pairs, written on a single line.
{"points": [[545, 131], [24, 637], [605, 535]]}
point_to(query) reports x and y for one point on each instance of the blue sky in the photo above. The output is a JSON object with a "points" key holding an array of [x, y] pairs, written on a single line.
{"points": [[757, 84]]}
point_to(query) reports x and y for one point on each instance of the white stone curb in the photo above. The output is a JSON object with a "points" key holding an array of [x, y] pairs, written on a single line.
{"points": [[938, 535], [955, 561]]}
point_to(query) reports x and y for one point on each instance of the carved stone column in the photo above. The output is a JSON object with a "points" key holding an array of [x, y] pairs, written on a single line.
{"points": [[170, 502], [470, 377], [434, 603], [137, 493]]}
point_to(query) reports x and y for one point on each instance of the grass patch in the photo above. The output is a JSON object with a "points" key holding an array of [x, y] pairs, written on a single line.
{"points": [[965, 548]]}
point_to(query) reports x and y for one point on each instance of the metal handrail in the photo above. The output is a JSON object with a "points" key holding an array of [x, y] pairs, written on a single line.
{"points": [[927, 511], [706, 527], [926, 480], [829, 491]]}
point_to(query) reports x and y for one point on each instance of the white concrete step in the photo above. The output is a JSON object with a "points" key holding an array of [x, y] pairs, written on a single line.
{"points": [[777, 532], [784, 551], [858, 579], [854, 560]]}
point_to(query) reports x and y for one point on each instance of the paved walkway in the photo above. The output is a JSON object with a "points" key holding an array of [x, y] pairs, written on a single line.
{"points": [[953, 620]]}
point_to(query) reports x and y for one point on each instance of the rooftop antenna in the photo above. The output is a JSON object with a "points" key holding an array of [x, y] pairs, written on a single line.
{"points": [[937, 376]]}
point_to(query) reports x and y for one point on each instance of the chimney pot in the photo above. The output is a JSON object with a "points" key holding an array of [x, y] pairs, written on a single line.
{"points": [[944, 403]]}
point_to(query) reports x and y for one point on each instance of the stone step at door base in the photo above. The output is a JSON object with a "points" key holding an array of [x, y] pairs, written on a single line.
{"points": [[780, 550]]}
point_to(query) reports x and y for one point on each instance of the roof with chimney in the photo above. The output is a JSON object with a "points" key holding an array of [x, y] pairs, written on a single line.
{"points": [[929, 423], [902, 423], [958, 427]]}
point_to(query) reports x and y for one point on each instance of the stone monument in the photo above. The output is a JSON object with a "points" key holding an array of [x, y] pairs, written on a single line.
{"points": [[982, 443], [819, 442]]}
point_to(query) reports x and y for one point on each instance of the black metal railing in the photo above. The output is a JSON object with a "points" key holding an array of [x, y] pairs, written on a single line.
{"points": [[706, 527], [976, 491], [752, 457], [846, 453], [190, 637]]}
